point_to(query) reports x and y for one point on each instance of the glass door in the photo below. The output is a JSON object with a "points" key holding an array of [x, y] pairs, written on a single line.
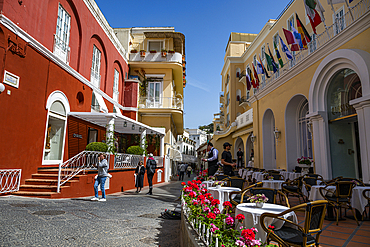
{"points": [[154, 95]]}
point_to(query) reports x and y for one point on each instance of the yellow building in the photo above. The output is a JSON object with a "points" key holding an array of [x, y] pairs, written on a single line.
{"points": [[157, 60], [318, 104]]}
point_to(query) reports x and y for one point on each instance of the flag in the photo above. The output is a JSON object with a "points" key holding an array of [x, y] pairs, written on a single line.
{"points": [[298, 37], [278, 55], [264, 69], [248, 79], [259, 67], [302, 30], [285, 49], [256, 80], [274, 64], [269, 62], [291, 40], [313, 7], [253, 81]]}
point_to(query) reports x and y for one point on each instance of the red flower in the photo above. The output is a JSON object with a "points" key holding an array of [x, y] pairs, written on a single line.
{"points": [[211, 215], [227, 204], [271, 227], [183, 183], [201, 197], [240, 217], [248, 234], [215, 202]]}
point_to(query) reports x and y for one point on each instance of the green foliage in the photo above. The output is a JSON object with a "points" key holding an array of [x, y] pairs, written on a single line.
{"points": [[135, 150], [207, 128], [97, 146]]}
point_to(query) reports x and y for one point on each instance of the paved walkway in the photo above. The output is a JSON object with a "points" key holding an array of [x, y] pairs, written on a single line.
{"points": [[125, 219]]}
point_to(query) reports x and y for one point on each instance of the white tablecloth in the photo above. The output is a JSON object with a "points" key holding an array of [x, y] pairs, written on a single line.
{"points": [[258, 176], [273, 184], [358, 201], [290, 175], [252, 217], [222, 194], [208, 183]]}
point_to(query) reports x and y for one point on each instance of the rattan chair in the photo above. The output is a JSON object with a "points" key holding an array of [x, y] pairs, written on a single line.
{"points": [[368, 200], [239, 195], [221, 177], [293, 187], [309, 181], [341, 197], [360, 183], [302, 236], [271, 194], [236, 182], [317, 176], [276, 176]]}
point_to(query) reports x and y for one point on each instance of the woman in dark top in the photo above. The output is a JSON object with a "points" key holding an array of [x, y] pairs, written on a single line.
{"points": [[139, 171], [227, 161]]}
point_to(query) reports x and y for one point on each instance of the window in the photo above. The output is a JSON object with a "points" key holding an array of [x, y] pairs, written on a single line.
{"points": [[61, 38], [155, 46], [275, 40], [227, 79], [95, 68], [339, 21], [305, 141], [115, 85], [255, 60], [92, 135], [227, 99], [58, 108], [312, 45], [290, 23], [154, 94], [263, 49], [227, 120]]}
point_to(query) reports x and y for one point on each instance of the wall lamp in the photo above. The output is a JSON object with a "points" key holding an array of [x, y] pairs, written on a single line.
{"points": [[2, 87], [133, 127], [309, 126], [253, 138], [277, 133], [124, 124]]}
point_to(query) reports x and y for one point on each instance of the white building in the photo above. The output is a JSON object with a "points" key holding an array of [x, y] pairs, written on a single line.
{"points": [[186, 146], [197, 135]]}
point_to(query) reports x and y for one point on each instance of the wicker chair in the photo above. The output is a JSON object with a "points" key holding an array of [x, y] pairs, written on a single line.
{"points": [[221, 177], [366, 195], [276, 176], [302, 236], [293, 187], [317, 176], [271, 194], [341, 197], [358, 181], [298, 169], [239, 195], [309, 181], [236, 182]]}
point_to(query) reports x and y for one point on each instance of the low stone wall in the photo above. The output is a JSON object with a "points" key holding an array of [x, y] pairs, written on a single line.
{"points": [[188, 237]]}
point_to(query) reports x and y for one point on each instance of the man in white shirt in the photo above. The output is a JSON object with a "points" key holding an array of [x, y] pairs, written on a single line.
{"points": [[212, 159]]}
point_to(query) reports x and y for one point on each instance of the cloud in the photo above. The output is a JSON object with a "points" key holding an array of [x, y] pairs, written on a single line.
{"points": [[197, 84]]}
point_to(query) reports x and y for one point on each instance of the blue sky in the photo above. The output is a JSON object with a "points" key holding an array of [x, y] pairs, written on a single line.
{"points": [[207, 26]]}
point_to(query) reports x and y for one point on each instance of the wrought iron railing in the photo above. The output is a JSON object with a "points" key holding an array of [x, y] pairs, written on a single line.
{"points": [[341, 24], [10, 180], [86, 160], [61, 49], [161, 102], [127, 160], [241, 75]]}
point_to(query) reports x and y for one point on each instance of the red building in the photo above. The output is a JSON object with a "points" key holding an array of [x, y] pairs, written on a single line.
{"points": [[65, 76]]}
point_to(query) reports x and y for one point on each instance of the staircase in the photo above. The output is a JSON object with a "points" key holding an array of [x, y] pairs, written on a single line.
{"points": [[44, 184]]}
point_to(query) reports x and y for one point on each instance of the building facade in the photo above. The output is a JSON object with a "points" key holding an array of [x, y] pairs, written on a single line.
{"points": [[198, 136], [66, 85], [187, 147], [317, 104], [157, 62]]}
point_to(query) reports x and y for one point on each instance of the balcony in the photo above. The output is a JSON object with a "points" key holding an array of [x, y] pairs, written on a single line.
{"points": [[61, 49], [161, 102], [156, 57], [323, 39], [244, 119], [242, 77], [222, 99], [95, 78], [244, 101]]}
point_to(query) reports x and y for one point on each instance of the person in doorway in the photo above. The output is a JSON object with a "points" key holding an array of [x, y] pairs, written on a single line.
{"points": [[212, 159], [188, 170], [182, 171], [227, 160], [139, 171], [101, 178], [252, 154], [240, 154], [151, 165]]}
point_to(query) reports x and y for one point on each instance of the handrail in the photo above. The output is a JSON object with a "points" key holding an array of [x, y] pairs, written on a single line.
{"points": [[86, 160], [10, 180], [322, 39], [127, 160], [161, 102]]}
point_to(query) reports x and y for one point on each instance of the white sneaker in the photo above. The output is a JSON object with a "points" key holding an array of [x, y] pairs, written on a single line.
{"points": [[94, 199], [102, 200]]}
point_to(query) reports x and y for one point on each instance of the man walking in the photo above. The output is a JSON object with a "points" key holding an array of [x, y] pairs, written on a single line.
{"points": [[240, 158], [101, 178], [227, 160], [212, 159], [151, 165], [182, 171]]}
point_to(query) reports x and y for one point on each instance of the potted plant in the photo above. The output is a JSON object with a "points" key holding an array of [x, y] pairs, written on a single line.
{"points": [[259, 199], [270, 178], [164, 52], [171, 51], [142, 53], [133, 51], [153, 51], [305, 160]]}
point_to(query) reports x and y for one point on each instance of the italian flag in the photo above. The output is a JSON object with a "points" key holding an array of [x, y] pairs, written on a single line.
{"points": [[315, 12]]}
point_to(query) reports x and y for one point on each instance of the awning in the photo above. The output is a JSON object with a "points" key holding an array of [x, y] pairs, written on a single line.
{"points": [[102, 106], [175, 155], [122, 124]]}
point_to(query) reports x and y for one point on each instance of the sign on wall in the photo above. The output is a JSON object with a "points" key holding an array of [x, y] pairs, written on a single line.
{"points": [[11, 79]]}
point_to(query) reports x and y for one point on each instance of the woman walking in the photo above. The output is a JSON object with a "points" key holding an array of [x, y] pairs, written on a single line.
{"points": [[139, 171]]}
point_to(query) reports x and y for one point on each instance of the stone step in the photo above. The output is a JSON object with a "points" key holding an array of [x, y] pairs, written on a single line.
{"points": [[39, 188], [51, 176], [37, 181], [35, 194]]}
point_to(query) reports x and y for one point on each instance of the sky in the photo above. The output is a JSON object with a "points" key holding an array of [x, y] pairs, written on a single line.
{"points": [[207, 26]]}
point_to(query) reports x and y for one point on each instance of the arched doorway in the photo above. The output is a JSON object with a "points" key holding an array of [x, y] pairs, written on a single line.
{"points": [[239, 144], [297, 131], [268, 143], [345, 152], [335, 106], [249, 150]]}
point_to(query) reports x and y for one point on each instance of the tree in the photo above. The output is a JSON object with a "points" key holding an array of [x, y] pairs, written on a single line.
{"points": [[207, 128]]}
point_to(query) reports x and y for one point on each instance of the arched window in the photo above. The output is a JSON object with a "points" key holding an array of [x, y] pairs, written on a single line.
{"points": [[305, 142], [58, 108]]}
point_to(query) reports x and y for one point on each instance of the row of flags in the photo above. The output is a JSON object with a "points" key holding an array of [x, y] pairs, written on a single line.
{"points": [[298, 39]]}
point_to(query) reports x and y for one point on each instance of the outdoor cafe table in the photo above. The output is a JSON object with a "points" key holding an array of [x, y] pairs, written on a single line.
{"points": [[208, 183], [252, 217], [222, 194], [358, 201], [258, 176], [290, 175], [272, 184]]}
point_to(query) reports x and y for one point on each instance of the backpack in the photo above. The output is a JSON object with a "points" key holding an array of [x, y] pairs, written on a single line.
{"points": [[152, 166]]}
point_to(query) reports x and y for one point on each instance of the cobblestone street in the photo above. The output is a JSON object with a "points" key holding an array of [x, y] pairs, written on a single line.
{"points": [[125, 219]]}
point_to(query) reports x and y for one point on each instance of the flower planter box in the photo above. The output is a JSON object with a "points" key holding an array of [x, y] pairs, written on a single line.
{"points": [[142, 53], [164, 53], [152, 52], [171, 51], [133, 51]]}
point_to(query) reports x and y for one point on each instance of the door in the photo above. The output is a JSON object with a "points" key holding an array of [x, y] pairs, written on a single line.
{"points": [[154, 95]]}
